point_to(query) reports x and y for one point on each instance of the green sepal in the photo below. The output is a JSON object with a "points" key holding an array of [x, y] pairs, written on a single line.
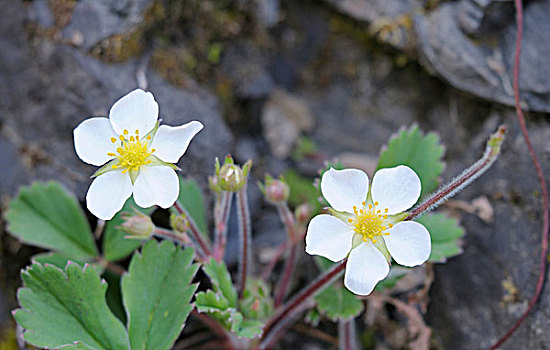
{"points": [[107, 168]]}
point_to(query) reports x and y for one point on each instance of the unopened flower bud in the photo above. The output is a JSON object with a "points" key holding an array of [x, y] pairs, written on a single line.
{"points": [[214, 184], [275, 191], [231, 178], [303, 213], [138, 225], [179, 222]]}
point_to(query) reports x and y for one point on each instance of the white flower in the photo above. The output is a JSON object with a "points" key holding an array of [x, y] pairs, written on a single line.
{"points": [[368, 224], [139, 155]]}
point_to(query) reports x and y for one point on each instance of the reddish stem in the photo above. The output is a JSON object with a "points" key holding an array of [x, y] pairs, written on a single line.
{"points": [[244, 233], [194, 230], [220, 238], [288, 271], [540, 175], [284, 314], [346, 334]]}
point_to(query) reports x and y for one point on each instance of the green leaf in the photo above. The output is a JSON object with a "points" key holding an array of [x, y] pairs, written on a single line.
{"points": [[192, 199], [336, 302], [221, 280], [115, 246], [61, 261], [45, 215], [421, 152], [302, 190], [217, 306], [446, 234], [62, 307], [156, 292]]}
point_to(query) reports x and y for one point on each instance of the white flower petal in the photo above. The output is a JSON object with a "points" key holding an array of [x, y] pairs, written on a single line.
{"points": [[92, 141], [395, 188], [108, 193], [344, 188], [409, 243], [170, 143], [156, 185], [329, 237], [138, 110], [366, 266]]}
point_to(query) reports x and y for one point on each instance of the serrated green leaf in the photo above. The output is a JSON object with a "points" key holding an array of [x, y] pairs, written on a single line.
{"points": [[211, 301], [221, 280], [62, 307], [192, 199], [446, 235], [336, 302], [76, 346], [156, 293], [250, 329], [115, 246], [421, 152], [256, 302], [46, 216], [61, 261], [217, 306]]}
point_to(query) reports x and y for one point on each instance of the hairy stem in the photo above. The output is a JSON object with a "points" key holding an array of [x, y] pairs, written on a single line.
{"points": [[284, 314], [244, 234], [196, 235], [492, 150], [288, 271], [222, 210], [347, 338], [541, 179]]}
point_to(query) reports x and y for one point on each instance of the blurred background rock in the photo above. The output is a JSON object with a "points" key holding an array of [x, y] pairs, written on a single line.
{"points": [[267, 77]]}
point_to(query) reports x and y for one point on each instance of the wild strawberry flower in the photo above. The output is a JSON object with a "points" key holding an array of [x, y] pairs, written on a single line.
{"points": [[136, 155], [367, 224]]}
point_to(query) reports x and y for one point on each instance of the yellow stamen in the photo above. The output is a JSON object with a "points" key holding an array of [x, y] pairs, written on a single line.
{"points": [[113, 140], [125, 132], [132, 154]]}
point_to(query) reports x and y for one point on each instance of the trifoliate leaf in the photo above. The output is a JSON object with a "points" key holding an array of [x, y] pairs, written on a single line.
{"points": [[221, 280], [421, 152], [45, 215], [446, 234], [336, 302], [115, 245], [63, 307], [156, 293], [192, 199]]}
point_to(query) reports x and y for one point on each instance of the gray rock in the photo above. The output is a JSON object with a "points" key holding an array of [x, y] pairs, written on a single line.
{"points": [[97, 20], [485, 69], [246, 65]]}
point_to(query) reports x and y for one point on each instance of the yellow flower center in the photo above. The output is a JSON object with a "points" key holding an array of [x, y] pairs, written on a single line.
{"points": [[132, 153], [369, 221]]}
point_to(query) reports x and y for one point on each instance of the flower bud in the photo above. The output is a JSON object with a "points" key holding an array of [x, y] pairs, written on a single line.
{"points": [[303, 213], [179, 222], [275, 191], [138, 225]]}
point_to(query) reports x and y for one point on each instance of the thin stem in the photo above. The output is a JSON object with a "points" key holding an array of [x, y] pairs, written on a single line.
{"points": [[279, 252], [181, 238], [288, 271], [244, 235], [346, 334], [284, 314], [490, 155], [288, 220], [111, 266], [540, 175], [223, 208], [194, 230]]}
